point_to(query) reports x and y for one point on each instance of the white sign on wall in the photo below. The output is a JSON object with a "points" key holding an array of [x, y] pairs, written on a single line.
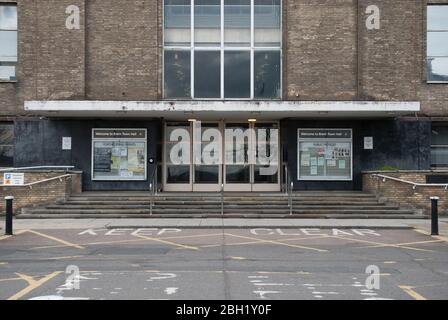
{"points": [[66, 143], [368, 143], [14, 179]]}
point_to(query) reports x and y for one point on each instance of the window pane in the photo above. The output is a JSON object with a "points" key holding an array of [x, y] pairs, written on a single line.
{"points": [[8, 18], [438, 43], [8, 47], [437, 69], [237, 74], [6, 134], [207, 21], [439, 156], [177, 74], [267, 74], [177, 22], [7, 72], [439, 135], [267, 23], [6, 156], [207, 74], [237, 22], [437, 17]]}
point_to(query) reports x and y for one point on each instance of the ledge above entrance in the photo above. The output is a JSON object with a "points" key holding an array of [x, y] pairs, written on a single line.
{"points": [[212, 110]]}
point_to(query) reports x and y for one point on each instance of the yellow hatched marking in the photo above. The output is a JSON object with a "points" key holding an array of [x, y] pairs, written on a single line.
{"points": [[379, 244], [66, 243], [32, 284], [168, 242], [277, 243], [262, 241], [410, 291]]}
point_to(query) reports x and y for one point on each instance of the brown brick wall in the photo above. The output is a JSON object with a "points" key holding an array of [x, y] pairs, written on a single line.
{"points": [[44, 193], [404, 194], [117, 53]]}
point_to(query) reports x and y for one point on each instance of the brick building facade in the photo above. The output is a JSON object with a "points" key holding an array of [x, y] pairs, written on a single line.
{"points": [[337, 75]]}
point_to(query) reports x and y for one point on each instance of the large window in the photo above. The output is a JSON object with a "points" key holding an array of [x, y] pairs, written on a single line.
{"points": [[437, 44], [6, 144], [222, 49], [119, 154], [439, 146], [8, 42]]}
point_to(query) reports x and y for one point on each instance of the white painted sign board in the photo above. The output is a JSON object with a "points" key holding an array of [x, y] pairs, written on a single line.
{"points": [[14, 179], [368, 143], [66, 143]]}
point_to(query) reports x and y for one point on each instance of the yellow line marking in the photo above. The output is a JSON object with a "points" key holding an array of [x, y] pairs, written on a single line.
{"points": [[262, 241], [379, 244], [168, 242], [10, 279], [277, 243], [32, 284], [404, 244], [68, 244], [2, 263], [4, 237], [238, 258], [390, 262], [410, 291], [61, 258]]}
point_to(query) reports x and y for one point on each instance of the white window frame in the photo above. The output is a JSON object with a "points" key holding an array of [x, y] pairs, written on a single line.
{"points": [[252, 48], [346, 140], [144, 140], [427, 50]]}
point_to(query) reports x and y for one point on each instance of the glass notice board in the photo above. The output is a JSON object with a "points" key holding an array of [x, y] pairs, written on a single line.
{"points": [[118, 158], [324, 156]]}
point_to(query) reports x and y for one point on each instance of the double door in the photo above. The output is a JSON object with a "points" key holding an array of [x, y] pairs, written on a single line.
{"points": [[203, 156]]}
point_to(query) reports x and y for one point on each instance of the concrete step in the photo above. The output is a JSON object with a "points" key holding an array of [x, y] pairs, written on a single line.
{"points": [[250, 216], [193, 211]]}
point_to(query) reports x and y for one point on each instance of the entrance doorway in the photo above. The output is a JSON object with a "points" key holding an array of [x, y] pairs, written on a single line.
{"points": [[202, 156]]}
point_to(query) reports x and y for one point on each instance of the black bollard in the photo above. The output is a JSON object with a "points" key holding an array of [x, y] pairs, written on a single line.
{"points": [[8, 221], [434, 216]]}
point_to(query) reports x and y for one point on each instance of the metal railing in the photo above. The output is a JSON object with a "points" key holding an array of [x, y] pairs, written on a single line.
{"points": [[152, 189], [289, 187], [31, 184], [222, 199], [36, 168], [414, 184]]}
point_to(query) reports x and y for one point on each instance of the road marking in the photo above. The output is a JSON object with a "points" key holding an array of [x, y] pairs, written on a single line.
{"points": [[410, 291], [379, 244], [3, 263], [278, 243], [69, 244], [238, 258], [61, 258], [262, 241], [168, 242], [10, 279], [15, 233], [390, 262], [32, 284], [407, 243]]}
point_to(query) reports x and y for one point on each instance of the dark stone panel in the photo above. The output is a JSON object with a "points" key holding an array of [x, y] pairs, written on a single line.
{"points": [[402, 143], [39, 142]]}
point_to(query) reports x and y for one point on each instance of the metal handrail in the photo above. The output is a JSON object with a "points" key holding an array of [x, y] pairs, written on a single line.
{"points": [[152, 189], [289, 186], [222, 199], [36, 167], [31, 184], [414, 184]]}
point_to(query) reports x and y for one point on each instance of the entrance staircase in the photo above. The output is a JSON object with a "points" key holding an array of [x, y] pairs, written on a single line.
{"points": [[306, 204]]}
